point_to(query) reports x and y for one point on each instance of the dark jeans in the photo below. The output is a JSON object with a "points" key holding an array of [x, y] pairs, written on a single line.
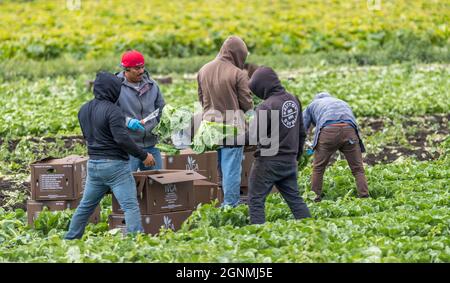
{"points": [[263, 176], [345, 140]]}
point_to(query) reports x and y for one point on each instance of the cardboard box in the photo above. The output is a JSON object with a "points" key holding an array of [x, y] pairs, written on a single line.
{"points": [[116, 209], [152, 223], [220, 195], [58, 179], [142, 195], [243, 193], [204, 192], [35, 207], [204, 164], [163, 191]]}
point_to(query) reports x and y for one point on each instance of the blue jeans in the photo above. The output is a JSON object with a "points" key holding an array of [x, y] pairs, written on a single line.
{"points": [[101, 176], [230, 164], [136, 163]]}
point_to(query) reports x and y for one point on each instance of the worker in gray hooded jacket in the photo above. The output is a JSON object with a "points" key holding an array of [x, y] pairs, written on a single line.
{"points": [[336, 129], [140, 96]]}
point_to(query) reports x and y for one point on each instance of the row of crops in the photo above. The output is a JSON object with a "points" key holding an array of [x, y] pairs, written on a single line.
{"points": [[48, 107], [89, 29], [406, 220]]}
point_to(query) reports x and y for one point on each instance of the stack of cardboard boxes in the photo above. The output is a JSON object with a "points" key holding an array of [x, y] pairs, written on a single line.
{"points": [[57, 184], [166, 199], [205, 164]]}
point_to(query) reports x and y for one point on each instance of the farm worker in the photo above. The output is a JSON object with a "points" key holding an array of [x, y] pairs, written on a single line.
{"points": [[280, 166], [103, 126], [224, 95], [140, 96], [336, 129]]}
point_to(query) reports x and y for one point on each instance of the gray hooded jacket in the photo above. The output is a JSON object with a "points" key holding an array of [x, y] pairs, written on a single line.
{"points": [[325, 109], [138, 104]]}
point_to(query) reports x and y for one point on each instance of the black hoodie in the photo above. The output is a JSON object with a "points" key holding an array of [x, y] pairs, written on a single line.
{"points": [[266, 85], [103, 124]]}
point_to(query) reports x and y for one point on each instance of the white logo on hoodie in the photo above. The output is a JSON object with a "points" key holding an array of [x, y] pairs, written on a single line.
{"points": [[289, 113]]}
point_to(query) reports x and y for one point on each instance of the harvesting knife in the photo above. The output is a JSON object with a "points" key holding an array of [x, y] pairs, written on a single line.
{"points": [[152, 115]]}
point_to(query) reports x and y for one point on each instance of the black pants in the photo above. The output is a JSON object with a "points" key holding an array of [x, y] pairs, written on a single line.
{"points": [[266, 173]]}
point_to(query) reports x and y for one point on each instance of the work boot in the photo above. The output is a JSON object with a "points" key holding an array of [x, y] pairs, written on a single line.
{"points": [[364, 196], [318, 199]]}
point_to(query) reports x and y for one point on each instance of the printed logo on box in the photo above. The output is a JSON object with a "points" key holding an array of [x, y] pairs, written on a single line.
{"points": [[192, 164], [168, 223], [170, 188]]}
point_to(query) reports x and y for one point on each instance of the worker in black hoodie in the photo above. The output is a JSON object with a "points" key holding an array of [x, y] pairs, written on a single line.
{"points": [[108, 143], [275, 161]]}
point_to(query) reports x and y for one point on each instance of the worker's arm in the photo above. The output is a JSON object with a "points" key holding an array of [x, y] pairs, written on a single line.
{"points": [[120, 134]]}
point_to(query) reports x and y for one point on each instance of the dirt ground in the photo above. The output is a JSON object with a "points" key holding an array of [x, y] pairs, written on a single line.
{"points": [[429, 125], [7, 186]]}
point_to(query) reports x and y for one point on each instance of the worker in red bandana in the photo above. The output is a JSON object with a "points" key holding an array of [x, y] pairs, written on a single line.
{"points": [[140, 96]]}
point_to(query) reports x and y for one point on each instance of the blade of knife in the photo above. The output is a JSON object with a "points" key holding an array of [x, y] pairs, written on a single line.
{"points": [[152, 115]]}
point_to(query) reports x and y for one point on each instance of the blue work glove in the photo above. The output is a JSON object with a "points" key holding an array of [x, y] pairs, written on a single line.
{"points": [[309, 152], [135, 125]]}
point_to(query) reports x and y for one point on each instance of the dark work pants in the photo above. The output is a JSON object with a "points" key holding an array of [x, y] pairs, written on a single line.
{"points": [[263, 176]]}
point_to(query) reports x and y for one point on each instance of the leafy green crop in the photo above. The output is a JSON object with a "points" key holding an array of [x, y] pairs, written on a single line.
{"points": [[168, 149], [173, 119], [187, 28], [49, 107], [406, 220], [210, 136]]}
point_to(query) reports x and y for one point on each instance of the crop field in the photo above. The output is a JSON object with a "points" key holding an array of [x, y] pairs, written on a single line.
{"points": [[402, 107], [186, 28]]}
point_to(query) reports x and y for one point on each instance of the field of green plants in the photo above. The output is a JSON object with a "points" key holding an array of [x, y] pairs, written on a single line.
{"points": [[51, 29], [401, 99]]}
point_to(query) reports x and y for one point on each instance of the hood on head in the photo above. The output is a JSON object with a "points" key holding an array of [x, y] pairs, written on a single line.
{"points": [[322, 95], [234, 50], [107, 87], [265, 82]]}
